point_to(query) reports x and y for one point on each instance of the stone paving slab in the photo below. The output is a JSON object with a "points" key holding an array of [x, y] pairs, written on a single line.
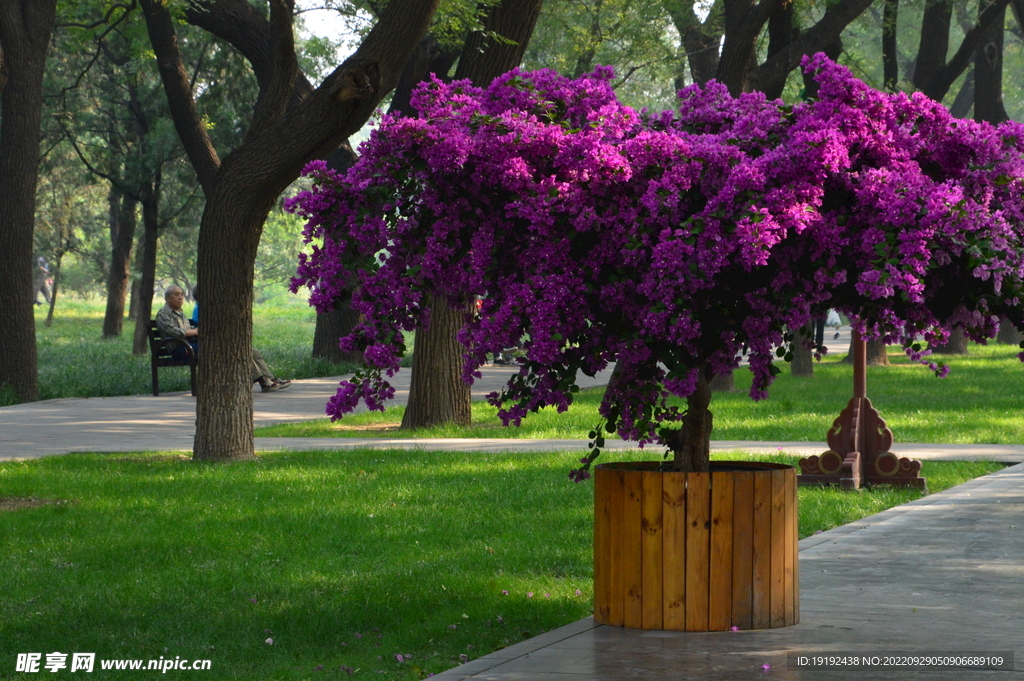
{"points": [[943, 574]]}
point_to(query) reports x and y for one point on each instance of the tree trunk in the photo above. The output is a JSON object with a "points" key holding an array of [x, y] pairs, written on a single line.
{"points": [[332, 326], [782, 31], [988, 71], [55, 271], [143, 301], [743, 23], [934, 45], [700, 41], [25, 29], [957, 344], [1008, 333], [803, 356], [723, 383], [437, 393], [890, 63], [691, 444], [122, 235], [877, 353]]}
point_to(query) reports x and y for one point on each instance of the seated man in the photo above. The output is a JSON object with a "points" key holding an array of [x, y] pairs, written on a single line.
{"points": [[172, 324]]}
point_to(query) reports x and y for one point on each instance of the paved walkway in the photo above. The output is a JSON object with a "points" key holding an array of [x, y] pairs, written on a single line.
{"points": [[943, 574]]}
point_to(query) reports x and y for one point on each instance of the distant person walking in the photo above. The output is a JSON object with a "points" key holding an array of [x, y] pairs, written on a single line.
{"points": [[41, 280]]}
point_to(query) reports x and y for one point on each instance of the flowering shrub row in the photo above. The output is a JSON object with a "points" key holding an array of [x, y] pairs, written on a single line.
{"points": [[665, 243]]}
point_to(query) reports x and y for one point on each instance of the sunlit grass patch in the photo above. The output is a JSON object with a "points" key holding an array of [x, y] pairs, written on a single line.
{"points": [[344, 559]]}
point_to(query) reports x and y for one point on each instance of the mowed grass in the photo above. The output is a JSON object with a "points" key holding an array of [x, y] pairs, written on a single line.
{"points": [[343, 559], [74, 361], [980, 402]]}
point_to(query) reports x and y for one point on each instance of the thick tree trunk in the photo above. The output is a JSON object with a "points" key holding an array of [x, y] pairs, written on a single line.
{"points": [[122, 235], [937, 82], [957, 344], [781, 32], [143, 301], [700, 41], [803, 356], [332, 326], [25, 29], [877, 353], [437, 393], [934, 45], [988, 71], [1008, 333], [691, 444]]}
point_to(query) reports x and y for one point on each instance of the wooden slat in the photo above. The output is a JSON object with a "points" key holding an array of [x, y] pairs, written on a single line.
{"points": [[673, 497], [761, 616], [651, 549], [778, 549], [602, 555], [698, 549], [743, 550], [631, 548], [616, 595], [720, 593], [790, 550]]}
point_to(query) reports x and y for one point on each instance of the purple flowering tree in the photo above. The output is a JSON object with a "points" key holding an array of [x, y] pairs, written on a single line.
{"points": [[664, 243]]}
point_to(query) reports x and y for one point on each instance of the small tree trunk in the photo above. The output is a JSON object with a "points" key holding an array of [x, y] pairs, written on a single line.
{"points": [[803, 356], [53, 290], [957, 344], [691, 444], [144, 305], [437, 393], [1008, 333], [332, 326], [122, 234]]}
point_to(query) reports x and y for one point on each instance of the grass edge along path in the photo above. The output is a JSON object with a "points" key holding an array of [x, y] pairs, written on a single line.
{"points": [[308, 565], [978, 403]]}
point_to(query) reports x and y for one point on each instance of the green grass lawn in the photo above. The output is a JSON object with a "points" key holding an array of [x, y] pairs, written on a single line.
{"points": [[74, 361], [343, 559], [980, 402]]}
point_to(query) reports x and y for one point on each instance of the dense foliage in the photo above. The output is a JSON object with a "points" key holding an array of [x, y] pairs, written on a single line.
{"points": [[666, 243]]}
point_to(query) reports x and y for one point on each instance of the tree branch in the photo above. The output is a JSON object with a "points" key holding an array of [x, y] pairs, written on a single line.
{"points": [[939, 84], [186, 117], [273, 98], [814, 39]]}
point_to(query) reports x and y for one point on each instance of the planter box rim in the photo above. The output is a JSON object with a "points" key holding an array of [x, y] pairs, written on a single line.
{"points": [[715, 467]]}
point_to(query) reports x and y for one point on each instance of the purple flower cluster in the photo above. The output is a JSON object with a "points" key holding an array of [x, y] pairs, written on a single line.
{"points": [[664, 243]]}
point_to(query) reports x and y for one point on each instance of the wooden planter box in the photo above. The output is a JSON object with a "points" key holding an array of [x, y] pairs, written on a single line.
{"points": [[695, 551]]}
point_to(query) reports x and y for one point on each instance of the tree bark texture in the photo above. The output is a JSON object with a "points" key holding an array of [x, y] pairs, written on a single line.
{"points": [[988, 71], [803, 356], [1008, 333], [956, 345], [877, 353], [25, 29], [122, 235], [331, 327], [781, 33], [437, 393], [484, 59], [700, 41], [934, 45], [744, 20], [691, 444], [147, 279], [241, 190], [723, 383]]}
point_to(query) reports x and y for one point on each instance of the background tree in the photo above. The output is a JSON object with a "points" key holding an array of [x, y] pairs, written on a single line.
{"points": [[288, 129], [25, 29]]}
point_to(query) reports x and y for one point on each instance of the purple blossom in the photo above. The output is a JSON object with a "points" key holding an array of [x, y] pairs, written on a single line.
{"points": [[664, 243]]}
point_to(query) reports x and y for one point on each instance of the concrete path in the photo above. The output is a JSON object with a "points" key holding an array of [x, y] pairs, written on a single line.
{"points": [[943, 575]]}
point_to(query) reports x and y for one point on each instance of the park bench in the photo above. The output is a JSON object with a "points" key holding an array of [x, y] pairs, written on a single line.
{"points": [[161, 355]]}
